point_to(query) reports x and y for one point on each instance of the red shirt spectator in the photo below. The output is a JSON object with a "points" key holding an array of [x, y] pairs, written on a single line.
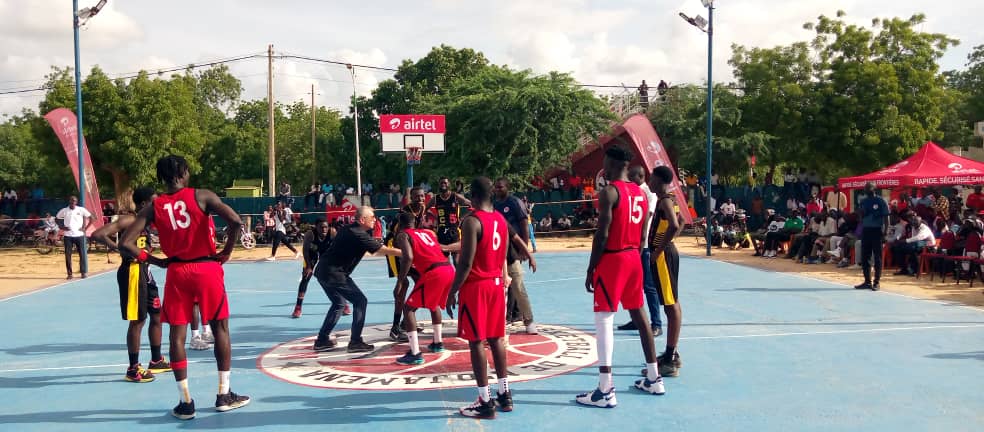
{"points": [[973, 242], [814, 206], [948, 240], [976, 200]]}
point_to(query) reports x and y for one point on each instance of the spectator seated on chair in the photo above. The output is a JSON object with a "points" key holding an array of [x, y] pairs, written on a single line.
{"points": [[717, 233], [970, 236], [803, 244], [546, 224], [773, 235], [728, 212], [563, 223], [906, 252], [849, 233], [758, 237], [826, 229]]}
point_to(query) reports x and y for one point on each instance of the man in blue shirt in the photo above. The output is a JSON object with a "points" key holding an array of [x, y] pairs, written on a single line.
{"points": [[514, 211], [874, 223]]}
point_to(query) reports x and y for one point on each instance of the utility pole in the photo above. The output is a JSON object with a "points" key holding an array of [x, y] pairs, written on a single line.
{"points": [[271, 143], [314, 162]]}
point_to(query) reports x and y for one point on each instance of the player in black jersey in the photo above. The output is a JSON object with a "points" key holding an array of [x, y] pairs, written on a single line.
{"points": [[138, 295], [316, 242], [447, 206]]}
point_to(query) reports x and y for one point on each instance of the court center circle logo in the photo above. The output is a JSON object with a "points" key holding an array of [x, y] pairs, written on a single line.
{"points": [[554, 351]]}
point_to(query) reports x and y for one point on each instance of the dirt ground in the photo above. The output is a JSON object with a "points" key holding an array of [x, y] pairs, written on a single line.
{"points": [[24, 270]]}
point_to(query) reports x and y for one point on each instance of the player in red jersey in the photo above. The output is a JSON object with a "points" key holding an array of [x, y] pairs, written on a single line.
{"points": [[421, 251], [194, 273], [481, 277], [615, 276]]}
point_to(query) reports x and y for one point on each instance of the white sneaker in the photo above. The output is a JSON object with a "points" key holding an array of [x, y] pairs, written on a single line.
{"points": [[199, 344], [651, 387], [297, 255], [208, 338], [270, 258], [597, 399], [531, 329]]}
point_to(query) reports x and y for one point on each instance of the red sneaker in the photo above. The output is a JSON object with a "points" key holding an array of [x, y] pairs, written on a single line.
{"points": [[347, 310], [297, 312]]}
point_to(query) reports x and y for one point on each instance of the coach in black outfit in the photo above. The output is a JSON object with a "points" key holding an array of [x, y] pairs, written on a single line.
{"points": [[874, 224], [334, 272]]}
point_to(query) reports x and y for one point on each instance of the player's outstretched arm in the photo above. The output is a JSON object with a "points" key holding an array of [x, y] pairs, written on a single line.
{"points": [[211, 203], [470, 230], [105, 233], [402, 241], [606, 199], [453, 247], [128, 246]]}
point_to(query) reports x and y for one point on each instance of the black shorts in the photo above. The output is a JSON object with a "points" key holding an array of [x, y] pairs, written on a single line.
{"points": [[138, 291], [666, 269], [448, 235]]}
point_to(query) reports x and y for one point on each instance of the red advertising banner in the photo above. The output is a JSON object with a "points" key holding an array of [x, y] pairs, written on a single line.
{"points": [[411, 123], [65, 125]]}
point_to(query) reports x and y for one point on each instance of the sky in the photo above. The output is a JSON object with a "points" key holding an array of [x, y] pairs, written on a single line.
{"points": [[611, 42]]}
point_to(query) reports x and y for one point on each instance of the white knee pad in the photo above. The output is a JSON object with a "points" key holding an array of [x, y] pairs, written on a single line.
{"points": [[605, 334]]}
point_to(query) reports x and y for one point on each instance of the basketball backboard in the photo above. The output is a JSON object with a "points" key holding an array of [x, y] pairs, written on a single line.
{"points": [[401, 132]]}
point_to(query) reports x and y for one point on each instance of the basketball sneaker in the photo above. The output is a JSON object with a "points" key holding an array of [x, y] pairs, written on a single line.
{"points": [[138, 374], [347, 310], [531, 329], [479, 409], [356, 347], [159, 366], [184, 410], [597, 399], [208, 337], [436, 347], [230, 401], [198, 343], [297, 312], [411, 359], [327, 346], [504, 401], [651, 387], [397, 334]]}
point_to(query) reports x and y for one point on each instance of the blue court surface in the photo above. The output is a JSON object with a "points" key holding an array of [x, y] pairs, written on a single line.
{"points": [[761, 351]]}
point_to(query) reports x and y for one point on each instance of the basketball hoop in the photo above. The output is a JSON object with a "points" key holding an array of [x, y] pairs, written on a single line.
{"points": [[413, 155]]}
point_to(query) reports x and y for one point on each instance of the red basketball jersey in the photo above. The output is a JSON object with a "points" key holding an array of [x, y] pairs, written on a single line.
{"points": [[628, 216], [426, 250], [490, 252], [186, 232]]}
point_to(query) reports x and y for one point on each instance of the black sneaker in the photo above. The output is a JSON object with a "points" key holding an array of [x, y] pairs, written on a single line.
{"points": [[184, 410], [356, 347], [504, 401], [398, 335], [325, 346], [479, 409], [411, 359], [864, 285], [436, 347], [657, 332], [663, 358], [230, 401], [628, 326], [875, 287]]}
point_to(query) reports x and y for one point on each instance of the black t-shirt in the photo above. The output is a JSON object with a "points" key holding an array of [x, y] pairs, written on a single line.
{"points": [[346, 251]]}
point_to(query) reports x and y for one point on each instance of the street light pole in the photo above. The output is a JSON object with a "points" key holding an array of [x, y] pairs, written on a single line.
{"points": [[355, 115], [710, 112], [78, 105]]}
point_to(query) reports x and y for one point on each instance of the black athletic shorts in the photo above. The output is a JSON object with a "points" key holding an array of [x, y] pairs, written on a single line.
{"points": [[666, 269], [138, 291], [448, 235]]}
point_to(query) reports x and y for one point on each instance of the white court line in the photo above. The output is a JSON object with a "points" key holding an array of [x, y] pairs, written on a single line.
{"points": [[60, 284], [942, 302], [874, 330], [552, 280]]}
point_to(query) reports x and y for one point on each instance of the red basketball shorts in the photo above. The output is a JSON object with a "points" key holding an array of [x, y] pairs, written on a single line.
{"points": [[618, 279], [190, 283], [431, 291], [482, 314]]}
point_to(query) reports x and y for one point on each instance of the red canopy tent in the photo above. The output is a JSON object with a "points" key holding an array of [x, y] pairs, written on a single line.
{"points": [[930, 166]]}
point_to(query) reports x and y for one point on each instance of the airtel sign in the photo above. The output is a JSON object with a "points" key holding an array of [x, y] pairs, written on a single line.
{"points": [[411, 123]]}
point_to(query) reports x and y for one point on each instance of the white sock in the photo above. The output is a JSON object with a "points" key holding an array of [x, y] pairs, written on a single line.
{"points": [[196, 333], [483, 394], [224, 381], [605, 383], [183, 392], [438, 338], [414, 344], [503, 385], [652, 372]]}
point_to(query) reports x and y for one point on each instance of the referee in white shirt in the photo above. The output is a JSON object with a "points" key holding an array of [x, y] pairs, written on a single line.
{"points": [[74, 221]]}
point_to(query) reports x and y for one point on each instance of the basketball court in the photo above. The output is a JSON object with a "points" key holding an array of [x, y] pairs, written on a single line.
{"points": [[761, 351]]}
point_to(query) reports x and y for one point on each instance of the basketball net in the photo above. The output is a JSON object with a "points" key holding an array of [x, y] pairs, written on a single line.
{"points": [[413, 155]]}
